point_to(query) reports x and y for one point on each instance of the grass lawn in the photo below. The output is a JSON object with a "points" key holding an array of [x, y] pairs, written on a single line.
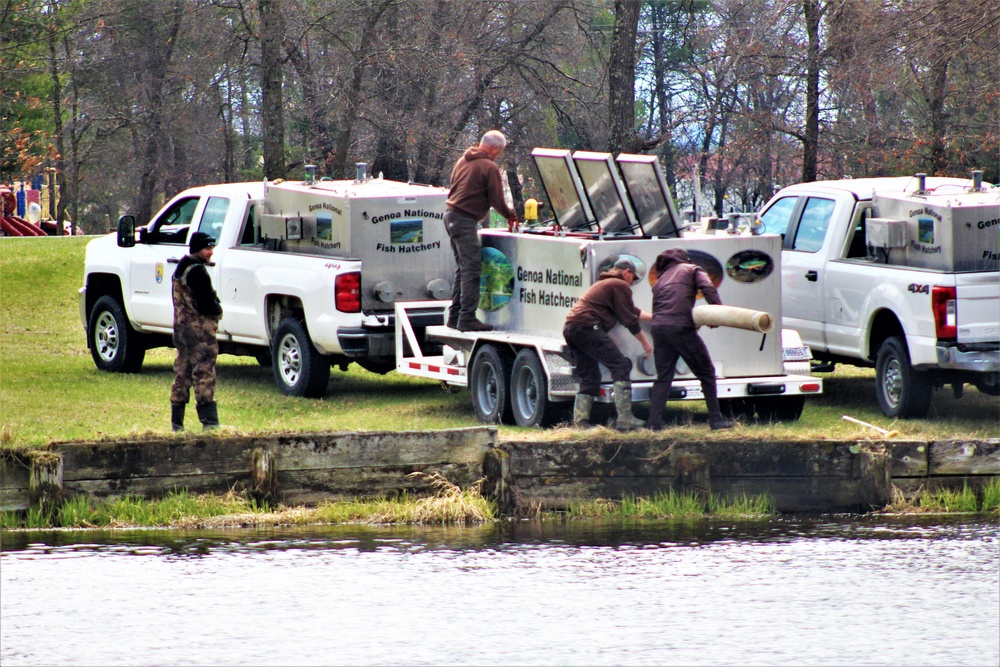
{"points": [[51, 391]]}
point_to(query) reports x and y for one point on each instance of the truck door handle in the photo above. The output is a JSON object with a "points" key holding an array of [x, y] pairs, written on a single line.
{"points": [[812, 276]]}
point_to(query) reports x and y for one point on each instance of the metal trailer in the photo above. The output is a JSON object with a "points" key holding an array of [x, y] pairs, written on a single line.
{"points": [[522, 371]]}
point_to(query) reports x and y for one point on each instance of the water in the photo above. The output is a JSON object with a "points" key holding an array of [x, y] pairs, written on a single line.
{"points": [[821, 591]]}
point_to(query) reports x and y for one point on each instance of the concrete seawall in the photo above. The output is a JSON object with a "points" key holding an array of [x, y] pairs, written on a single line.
{"points": [[306, 468]]}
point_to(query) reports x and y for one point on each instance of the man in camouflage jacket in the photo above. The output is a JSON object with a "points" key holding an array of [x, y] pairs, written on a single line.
{"points": [[196, 321]]}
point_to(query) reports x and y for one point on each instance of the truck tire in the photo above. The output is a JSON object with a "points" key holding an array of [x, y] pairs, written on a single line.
{"points": [[299, 368], [529, 392], [490, 386], [115, 346], [901, 390], [771, 409]]}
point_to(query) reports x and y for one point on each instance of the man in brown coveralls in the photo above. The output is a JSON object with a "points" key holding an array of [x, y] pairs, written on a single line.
{"points": [[196, 321], [606, 303], [475, 187]]}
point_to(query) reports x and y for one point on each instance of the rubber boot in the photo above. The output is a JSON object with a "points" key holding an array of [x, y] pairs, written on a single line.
{"points": [[452, 322], [625, 421], [208, 413], [581, 410], [177, 416]]}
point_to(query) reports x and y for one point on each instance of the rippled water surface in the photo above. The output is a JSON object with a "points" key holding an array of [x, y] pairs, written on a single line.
{"points": [[825, 591]]}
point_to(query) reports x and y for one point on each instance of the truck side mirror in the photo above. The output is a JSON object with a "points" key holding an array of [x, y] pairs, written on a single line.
{"points": [[126, 231]]}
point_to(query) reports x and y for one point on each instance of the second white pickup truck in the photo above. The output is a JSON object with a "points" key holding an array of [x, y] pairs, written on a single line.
{"points": [[896, 273]]}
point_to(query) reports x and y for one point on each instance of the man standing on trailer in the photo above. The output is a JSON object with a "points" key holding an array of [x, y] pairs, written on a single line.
{"points": [[606, 303], [677, 286], [197, 312], [475, 186]]}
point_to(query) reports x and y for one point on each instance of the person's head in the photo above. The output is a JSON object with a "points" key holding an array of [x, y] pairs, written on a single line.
{"points": [[493, 142], [629, 272], [202, 245]]}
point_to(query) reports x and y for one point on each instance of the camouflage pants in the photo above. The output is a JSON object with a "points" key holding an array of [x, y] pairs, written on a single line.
{"points": [[195, 365]]}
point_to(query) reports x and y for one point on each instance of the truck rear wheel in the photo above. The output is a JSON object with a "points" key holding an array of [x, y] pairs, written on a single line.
{"points": [[529, 392], [299, 368], [115, 346], [489, 385], [901, 390]]}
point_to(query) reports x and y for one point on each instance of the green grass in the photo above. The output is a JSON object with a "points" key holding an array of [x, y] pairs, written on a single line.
{"points": [[50, 390], [448, 504], [949, 501], [676, 505]]}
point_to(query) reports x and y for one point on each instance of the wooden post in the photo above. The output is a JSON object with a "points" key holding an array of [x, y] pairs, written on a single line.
{"points": [[498, 484], [45, 483], [691, 473], [876, 475], [263, 475]]}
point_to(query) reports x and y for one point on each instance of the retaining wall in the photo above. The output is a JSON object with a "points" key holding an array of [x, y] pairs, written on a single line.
{"points": [[306, 468]]}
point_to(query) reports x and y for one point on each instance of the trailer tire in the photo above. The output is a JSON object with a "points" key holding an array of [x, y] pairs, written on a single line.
{"points": [[299, 368], [771, 409], [115, 346], [529, 392], [901, 390], [490, 385]]}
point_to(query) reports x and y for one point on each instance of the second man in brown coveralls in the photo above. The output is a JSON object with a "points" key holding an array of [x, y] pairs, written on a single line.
{"points": [[606, 303], [475, 187]]}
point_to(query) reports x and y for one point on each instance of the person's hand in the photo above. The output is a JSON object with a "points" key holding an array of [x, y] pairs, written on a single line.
{"points": [[647, 347]]}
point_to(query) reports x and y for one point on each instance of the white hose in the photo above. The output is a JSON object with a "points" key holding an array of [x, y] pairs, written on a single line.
{"points": [[733, 316]]}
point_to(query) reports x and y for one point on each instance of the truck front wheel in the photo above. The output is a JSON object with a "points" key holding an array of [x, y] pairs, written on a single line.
{"points": [[115, 346], [901, 390], [489, 385], [299, 368]]}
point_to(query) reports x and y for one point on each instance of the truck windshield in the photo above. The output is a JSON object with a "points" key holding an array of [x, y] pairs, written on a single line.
{"points": [[777, 217], [811, 230], [214, 215]]}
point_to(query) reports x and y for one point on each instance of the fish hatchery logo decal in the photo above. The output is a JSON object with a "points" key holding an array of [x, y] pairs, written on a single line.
{"points": [[708, 262], [496, 282], [409, 230], [749, 266], [158, 272]]}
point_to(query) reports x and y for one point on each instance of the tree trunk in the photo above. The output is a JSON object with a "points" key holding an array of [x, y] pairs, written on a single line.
{"points": [[621, 77], [57, 209], [810, 141], [272, 30]]}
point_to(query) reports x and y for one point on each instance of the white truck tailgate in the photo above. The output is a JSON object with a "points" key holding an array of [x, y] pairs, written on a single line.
{"points": [[978, 296]]}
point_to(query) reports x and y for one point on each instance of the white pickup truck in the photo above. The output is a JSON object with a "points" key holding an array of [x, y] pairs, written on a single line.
{"points": [[307, 272], [896, 273]]}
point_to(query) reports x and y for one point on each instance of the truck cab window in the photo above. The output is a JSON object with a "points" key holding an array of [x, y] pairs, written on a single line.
{"points": [[213, 216], [249, 237], [777, 217], [815, 220], [173, 225], [856, 245]]}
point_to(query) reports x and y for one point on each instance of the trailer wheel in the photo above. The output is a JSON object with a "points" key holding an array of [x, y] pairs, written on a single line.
{"points": [[299, 368], [779, 408], [489, 385], [901, 390], [115, 346], [529, 392]]}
